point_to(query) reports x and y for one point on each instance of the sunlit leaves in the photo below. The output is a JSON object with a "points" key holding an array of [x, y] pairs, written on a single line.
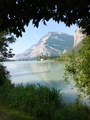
{"points": [[79, 67], [5, 40]]}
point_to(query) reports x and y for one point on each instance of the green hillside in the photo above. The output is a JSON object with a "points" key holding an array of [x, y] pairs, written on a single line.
{"points": [[76, 48], [66, 55]]}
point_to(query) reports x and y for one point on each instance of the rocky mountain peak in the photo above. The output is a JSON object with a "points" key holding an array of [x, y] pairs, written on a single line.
{"points": [[52, 44], [78, 36]]}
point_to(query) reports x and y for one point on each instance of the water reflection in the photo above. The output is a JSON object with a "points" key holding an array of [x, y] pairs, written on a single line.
{"points": [[47, 73]]}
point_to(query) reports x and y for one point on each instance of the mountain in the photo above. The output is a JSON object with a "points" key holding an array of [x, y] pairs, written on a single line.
{"points": [[78, 36], [52, 44]]}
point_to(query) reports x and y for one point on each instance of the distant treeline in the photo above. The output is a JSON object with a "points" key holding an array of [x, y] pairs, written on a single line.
{"points": [[63, 57]]}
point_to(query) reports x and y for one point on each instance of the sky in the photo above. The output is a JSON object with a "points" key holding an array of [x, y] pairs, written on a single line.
{"points": [[32, 34]]}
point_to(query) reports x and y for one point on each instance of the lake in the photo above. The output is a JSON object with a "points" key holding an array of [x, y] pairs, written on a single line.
{"points": [[48, 73]]}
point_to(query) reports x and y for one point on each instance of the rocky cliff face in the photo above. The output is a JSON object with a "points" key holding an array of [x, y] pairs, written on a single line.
{"points": [[78, 36], [52, 44]]}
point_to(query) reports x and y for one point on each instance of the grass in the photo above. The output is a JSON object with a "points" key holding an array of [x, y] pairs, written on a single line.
{"points": [[36, 102], [71, 112], [11, 114]]}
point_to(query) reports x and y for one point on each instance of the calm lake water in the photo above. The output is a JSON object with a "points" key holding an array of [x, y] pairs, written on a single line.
{"points": [[49, 73]]}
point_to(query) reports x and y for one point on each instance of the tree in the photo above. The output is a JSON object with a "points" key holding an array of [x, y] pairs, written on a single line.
{"points": [[79, 67], [5, 40], [15, 14], [5, 52]]}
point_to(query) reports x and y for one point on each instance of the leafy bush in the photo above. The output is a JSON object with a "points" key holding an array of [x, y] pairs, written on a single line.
{"points": [[36, 100], [4, 75], [79, 67], [42, 102]]}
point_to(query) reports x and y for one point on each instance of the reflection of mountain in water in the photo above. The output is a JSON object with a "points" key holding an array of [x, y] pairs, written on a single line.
{"points": [[45, 73], [51, 73]]}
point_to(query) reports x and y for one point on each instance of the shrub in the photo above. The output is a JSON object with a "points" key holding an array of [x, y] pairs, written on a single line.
{"points": [[36, 100]]}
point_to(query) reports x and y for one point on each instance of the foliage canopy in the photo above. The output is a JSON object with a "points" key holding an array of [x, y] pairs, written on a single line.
{"points": [[15, 14], [5, 52], [5, 40], [79, 67]]}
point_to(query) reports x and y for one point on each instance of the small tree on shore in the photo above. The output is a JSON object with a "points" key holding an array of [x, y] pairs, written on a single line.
{"points": [[5, 40], [5, 52], [79, 67]]}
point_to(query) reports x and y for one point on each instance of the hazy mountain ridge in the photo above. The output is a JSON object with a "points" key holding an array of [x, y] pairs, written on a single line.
{"points": [[52, 44]]}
